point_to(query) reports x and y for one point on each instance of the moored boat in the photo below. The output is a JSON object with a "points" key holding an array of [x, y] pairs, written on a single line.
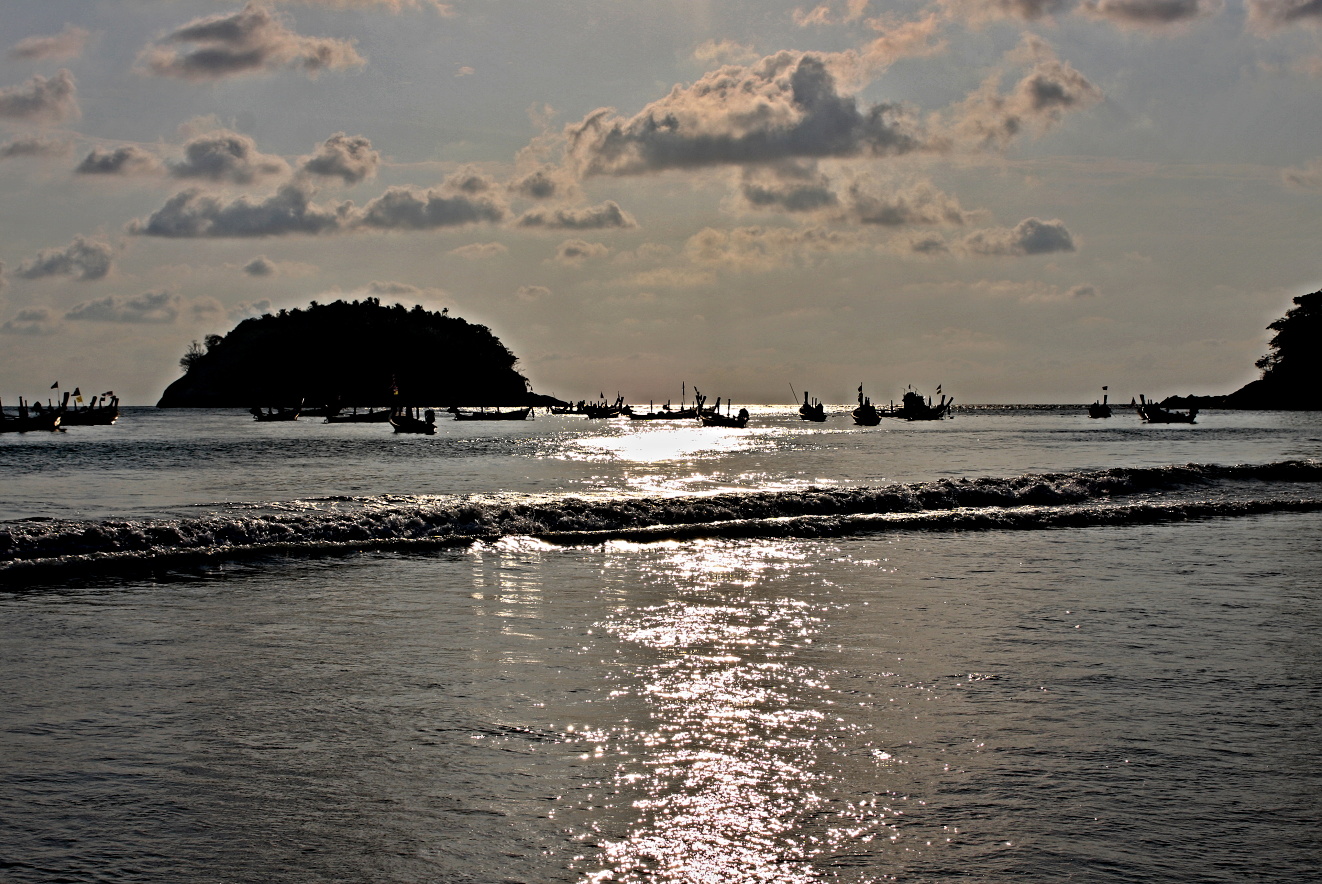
{"points": [[97, 413], [1152, 413], [275, 414], [1100, 409], [866, 414], [27, 420], [357, 417], [405, 421], [518, 414], [812, 410]]}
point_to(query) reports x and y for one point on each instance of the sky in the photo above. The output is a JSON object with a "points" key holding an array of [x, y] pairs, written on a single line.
{"points": [[1019, 200]]}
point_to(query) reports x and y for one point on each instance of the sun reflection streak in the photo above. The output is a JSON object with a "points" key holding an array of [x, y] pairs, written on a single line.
{"points": [[729, 778]]}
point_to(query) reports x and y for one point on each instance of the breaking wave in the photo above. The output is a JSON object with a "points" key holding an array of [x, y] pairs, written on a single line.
{"points": [[45, 549]]}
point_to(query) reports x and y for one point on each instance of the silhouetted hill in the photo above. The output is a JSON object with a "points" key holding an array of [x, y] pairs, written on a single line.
{"points": [[355, 353], [1290, 371]]}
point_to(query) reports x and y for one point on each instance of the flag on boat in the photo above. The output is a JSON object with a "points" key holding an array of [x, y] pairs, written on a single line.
{"points": [[55, 386], [78, 395], [938, 389], [1104, 387]]}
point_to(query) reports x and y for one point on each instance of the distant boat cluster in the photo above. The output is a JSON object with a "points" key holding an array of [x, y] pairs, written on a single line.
{"points": [[101, 410]]}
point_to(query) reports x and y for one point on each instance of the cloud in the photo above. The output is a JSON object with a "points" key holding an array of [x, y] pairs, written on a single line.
{"points": [[786, 106], [531, 293], [126, 160], [1272, 15], [86, 259], [226, 156], [261, 266], [787, 187], [989, 120], [68, 43], [600, 217], [347, 157], [1032, 236], [1151, 13], [193, 213], [41, 100], [724, 51], [32, 321], [919, 203], [250, 309], [407, 208], [542, 184], [252, 40], [479, 251], [977, 12], [151, 307], [1307, 178], [35, 146], [766, 248], [573, 252]]}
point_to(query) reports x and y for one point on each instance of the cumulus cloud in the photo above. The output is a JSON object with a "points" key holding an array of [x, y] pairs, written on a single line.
{"points": [[32, 321], [35, 146], [250, 309], [150, 307], [1032, 236], [578, 251], [68, 43], [1151, 13], [407, 208], [542, 184], [261, 266], [600, 217], [193, 213], [226, 156], [479, 251], [988, 119], [83, 258], [787, 187], [1272, 15], [918, 203], [347, 157], [41, 99], [786, 106], [766, 248], [252, 40], [126, 160], [725, 52]]}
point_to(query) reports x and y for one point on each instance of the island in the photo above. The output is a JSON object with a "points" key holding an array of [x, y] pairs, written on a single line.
{"points": [[1290, 370], [359, 353]]}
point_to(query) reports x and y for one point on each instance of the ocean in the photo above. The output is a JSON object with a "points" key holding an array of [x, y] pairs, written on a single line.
{"points": [[1016, 645]]}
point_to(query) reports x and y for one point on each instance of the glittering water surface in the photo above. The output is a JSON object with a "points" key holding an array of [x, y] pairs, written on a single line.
{"points": [[1124, 702]]}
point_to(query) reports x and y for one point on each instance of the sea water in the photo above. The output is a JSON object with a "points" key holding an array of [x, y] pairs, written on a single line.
{"points": [[1016, 645]]}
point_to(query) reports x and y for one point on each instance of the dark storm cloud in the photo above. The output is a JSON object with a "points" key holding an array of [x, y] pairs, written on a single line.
{"points": [[226, 156], [126, 160], [347, 157], [1151, 13], [86, 259], [786, 106], [41, 99], [249, 41], [605, 216], [35, 146], [68, 43], [1032, 236], [150, 307], [193, 213], [405, 208]]}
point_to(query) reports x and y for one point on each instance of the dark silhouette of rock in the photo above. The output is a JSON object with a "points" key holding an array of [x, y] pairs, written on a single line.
{"points": [[1290, 371], [358, 353]]}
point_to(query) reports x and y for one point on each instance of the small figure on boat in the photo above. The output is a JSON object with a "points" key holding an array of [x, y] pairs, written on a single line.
{"points": [[406, 421]]}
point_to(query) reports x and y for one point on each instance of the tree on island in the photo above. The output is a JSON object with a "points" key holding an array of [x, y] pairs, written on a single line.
{"points": [[350, 353], [1291, 369]]}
